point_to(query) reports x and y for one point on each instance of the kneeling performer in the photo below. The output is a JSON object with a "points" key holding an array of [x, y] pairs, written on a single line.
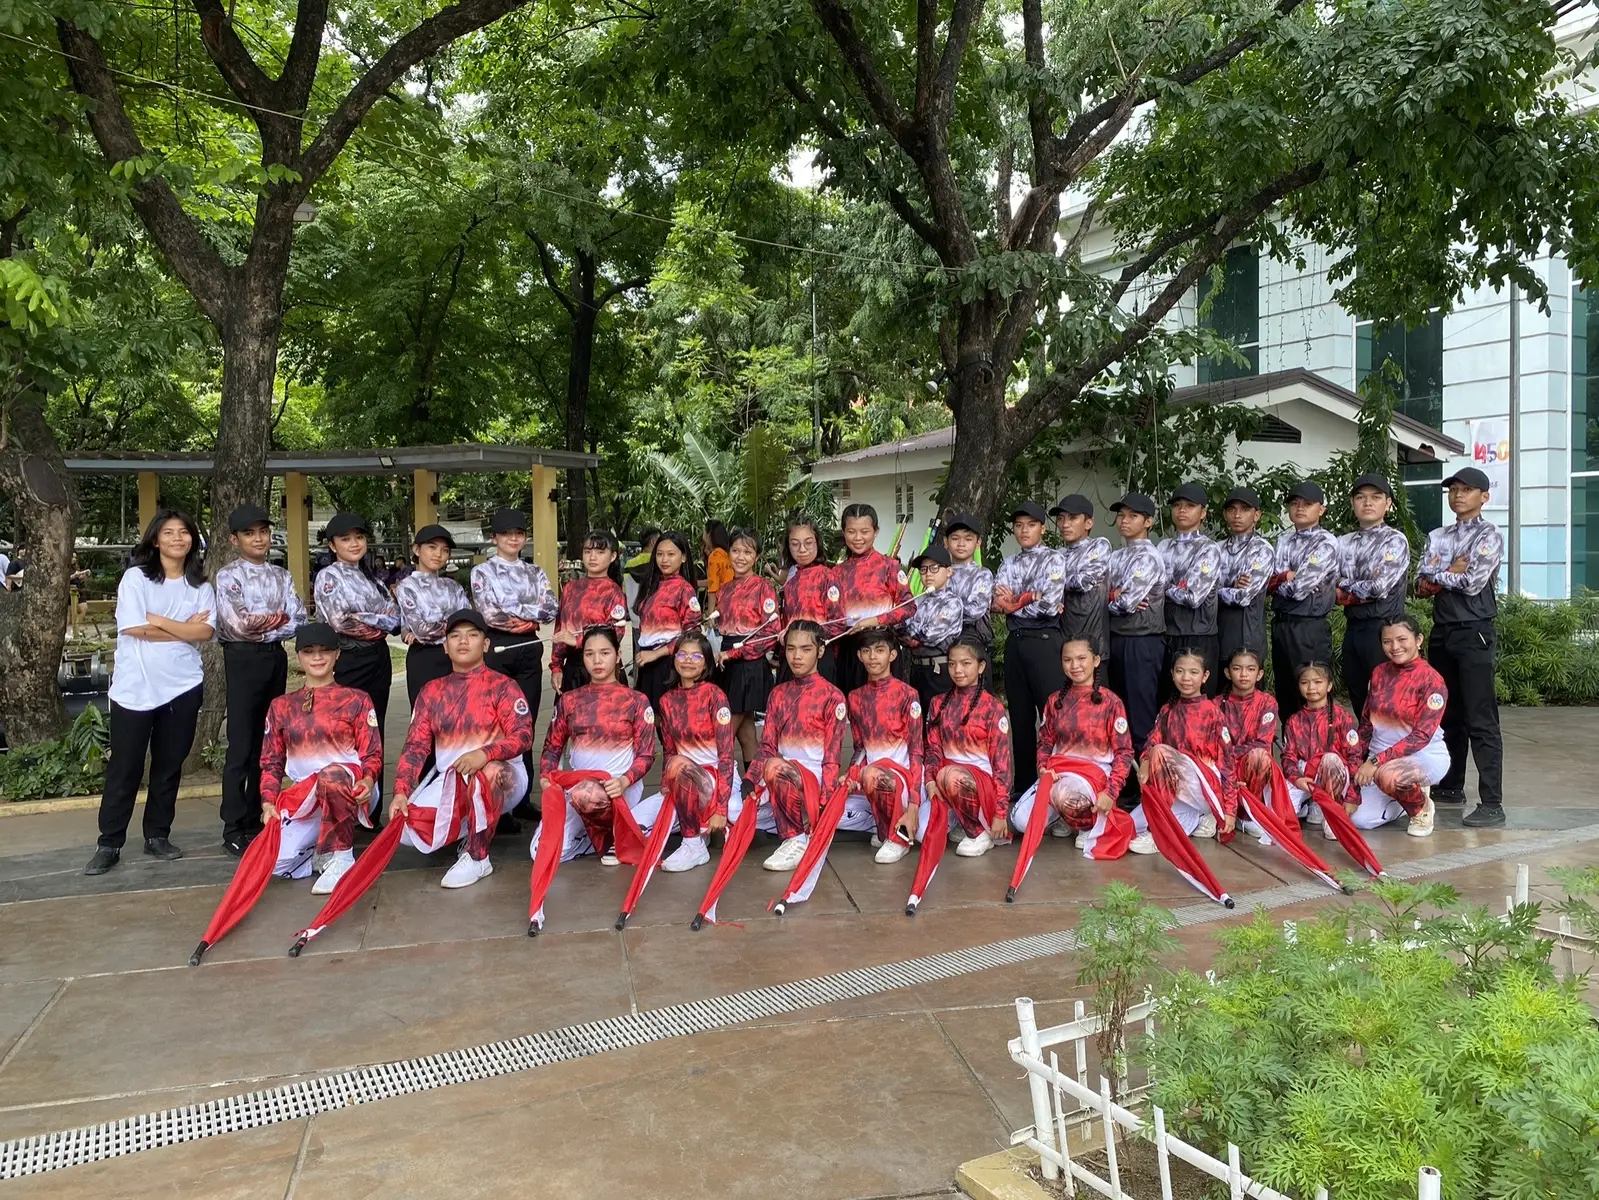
{"points": [[885, 721], [1400, 727]]}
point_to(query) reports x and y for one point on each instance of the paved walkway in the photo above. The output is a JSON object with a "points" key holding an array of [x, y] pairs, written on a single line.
{"points": [[878, 1095]]}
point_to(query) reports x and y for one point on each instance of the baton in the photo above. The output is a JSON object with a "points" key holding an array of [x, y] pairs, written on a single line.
{"points": [[913, 600]]}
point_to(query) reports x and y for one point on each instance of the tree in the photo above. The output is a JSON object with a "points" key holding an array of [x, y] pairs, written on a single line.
{"points": [[1419, 139]]}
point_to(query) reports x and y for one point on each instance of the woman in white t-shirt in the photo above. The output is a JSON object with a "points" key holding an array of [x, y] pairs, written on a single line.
{"points": [[164, 612]]}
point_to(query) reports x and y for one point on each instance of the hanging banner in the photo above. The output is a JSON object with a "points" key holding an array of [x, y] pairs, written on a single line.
{"points": [[1490, 453]]}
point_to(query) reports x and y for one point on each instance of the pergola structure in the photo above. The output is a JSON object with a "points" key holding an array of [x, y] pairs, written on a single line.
{"points": [[423, 463]]}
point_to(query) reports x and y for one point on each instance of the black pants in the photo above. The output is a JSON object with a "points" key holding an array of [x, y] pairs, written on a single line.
{"points": [[1135, 669], [1032, 675], [166, 733], [1209, 647], [1240, 629], [257, 674], [525, 666], [1464, 656], [1296, 641], [1362, 655], [851, 672], [366, 668], [423, 664], [929, 679]]}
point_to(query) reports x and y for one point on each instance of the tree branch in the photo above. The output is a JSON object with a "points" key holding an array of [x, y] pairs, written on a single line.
{"points": [[961, 20], [548, 264], [615, 290], [841, 25], [305, 49], [1037, 111], [239, 70], [926, 56]]}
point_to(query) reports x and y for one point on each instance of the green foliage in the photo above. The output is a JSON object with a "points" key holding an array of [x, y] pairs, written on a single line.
{"points": [[1347, 1062], [1548, 652], [1582, 889], [73, 765], [1123, 937]]}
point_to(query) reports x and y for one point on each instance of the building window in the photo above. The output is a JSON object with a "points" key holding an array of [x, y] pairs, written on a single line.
{"points": [[1585, 441], [840, 490], [904, 502], [1235, 314], [1423, 484], [1419, 355]]}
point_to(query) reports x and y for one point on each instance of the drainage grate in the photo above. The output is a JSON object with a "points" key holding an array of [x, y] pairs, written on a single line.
{"points": [[365, 1085]]}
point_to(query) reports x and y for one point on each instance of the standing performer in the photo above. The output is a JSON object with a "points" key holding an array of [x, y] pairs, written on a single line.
{"points": [[1405, 750], [1028, 590], [1251, 719], [1188, 755], [1373, 564], [164, 613], [361, 611], [1137, 607], [1192, 562], [1246, 565], [936, 622], [257, 609], [426, 598], [1086, 586], [968, 753], [873, 591], [810, 592], [1321, 748], [515, 598], [699, 776], [974, 584], [476, 725], [667, 607], [320, 761], [1303, 585], [595, 598], [748, 624], [802, 744], [715, 545], [885, 722], [1461, 572]]}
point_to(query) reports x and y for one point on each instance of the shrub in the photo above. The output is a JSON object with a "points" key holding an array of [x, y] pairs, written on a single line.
{"points": [[1548, 652], [1123, 937], [73, 765], [1347, 1063]]}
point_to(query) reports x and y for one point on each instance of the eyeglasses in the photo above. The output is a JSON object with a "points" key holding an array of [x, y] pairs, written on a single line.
{"points": [[690, 656]]}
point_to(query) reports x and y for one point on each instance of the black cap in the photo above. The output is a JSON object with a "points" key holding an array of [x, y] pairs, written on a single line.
{"points": [[1373, 480], [1191, 492], [507, 520], [1307, 490], [1075, 505], [963, 521], [317, 633], [1137, 502], [433, 533], [1243, 495], [934, 553], [343, 523], [467, 616], [1469, 476], [1030, 508], [246, 516]]}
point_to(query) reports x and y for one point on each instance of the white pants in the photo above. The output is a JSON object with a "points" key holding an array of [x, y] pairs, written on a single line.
{"points": [[448, 826], [1378, 808], [1191, 804], [297, 850], [576, 843]]}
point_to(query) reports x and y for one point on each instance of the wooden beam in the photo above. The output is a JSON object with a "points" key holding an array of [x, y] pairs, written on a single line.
{"points": [[149, 499], [296, 514], [546, 539], [424, 497]]}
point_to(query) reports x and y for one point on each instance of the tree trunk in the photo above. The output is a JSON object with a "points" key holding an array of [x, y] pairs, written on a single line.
{"points": [[980, 462], [33, 620], [579, 369]]}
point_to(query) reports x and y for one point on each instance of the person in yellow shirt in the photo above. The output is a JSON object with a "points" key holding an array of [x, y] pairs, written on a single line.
{"points": [[715, 543]]}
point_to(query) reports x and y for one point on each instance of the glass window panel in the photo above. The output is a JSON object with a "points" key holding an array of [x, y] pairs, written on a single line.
{"points": [[1584, 383], [1419, 354], [1235, 314], [1424, 490]]}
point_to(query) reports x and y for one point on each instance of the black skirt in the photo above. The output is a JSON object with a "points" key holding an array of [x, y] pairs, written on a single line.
{"points": [[747, 681], [656, 677]]}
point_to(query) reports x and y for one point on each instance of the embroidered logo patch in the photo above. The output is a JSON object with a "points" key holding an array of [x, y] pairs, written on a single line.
{"points": [[1004, 724], [723, 717], [235, 586], [618, 612], [328, 585], [1485, 550], [1435, 701], [832, 594], [840, 712], [1389, 556], [1315, 559], [694, 604], [372, 717], [1056, 575], [1226, 738], [916, 708], [902, 577], [649, 715], [1140, 572], [520, 707], [1206, 567], [768, 606], [1352, 738], [408, 600], [1267, 718], [1121, 724]]}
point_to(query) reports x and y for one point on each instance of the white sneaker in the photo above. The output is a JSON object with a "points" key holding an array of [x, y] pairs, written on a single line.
{"points": [[1061, 830], [876, 841], [1421, 824], [787, 856], [891, 852], [1144, 843], [1327, 830], [975, 847], [692, 853], [467, 871], [339, 862], [319, 862], [609, 859], [1206, 827]]}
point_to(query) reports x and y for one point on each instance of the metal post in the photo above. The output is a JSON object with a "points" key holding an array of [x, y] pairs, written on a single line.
{"points": [[1043, 1127], [1429, 1184], [1514, 499]]}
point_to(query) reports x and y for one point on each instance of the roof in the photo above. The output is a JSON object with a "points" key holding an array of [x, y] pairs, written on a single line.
{"points": [[933, 439], [375, 460]]}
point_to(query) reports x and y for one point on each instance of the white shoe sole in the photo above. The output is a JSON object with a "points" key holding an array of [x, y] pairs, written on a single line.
{"points": [[457, 883], [890, 852]]}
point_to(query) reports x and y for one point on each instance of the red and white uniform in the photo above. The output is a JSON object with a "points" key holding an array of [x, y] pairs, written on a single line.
{"points": [[1324, 746], [969, 756], [802, 744], [812, 594], [699, 776], [885, 722], [319, 745], [599, 727], [591, 600], [745, 606], [671, 609], [872, 585], [1079, 733], [1401, 731], [1251, 728], [1188, 752], [463, 711]]}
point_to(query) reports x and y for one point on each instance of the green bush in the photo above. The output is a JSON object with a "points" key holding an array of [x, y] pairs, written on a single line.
{"points": [[1548, 652], [1347, 1062], [73, 765]]}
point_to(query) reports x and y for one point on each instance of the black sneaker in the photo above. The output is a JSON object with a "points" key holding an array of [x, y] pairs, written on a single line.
{"points": [[1448, 795], [104, 859], [237, 843], [508, 826], [162, 849], [1485, 816]]}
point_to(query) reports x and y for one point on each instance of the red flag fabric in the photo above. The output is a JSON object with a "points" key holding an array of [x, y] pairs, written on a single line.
{"points": [[1344, 829], [249, 880], [355, 881], [650, 855], [1286, 833], [552, 835], [803, 882], [934, 838], [1033, 835], [739, 836], [1174, 844]]}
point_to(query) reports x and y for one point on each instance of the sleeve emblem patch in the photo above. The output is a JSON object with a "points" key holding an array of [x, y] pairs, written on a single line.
{"points": [[840, 712], [372, 717], [903, 578], [1267, 718], [1004, 724], [328, 585], [694, 604], [916, 708], [832, 594], [1226, 738], [520, 707], [1206, 567], [1352, 738], [618, 612], [1121, 724], [649, 715], [1435, 701], [723, 717], [768, 605]]}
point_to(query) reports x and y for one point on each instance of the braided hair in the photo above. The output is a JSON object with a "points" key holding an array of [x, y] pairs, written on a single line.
{"points": [[1097, 696], [980, 652]]}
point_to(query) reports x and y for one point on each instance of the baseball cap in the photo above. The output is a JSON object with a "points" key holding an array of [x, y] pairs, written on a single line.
{"points": [[1373, 480], [1075, 505], [963, 521], [1030, 508], [1307, 490], [507, 520], [1469, 476], [433, 533], [1137, 502], [316, 634], [343, 523], [1190, 492], [934, 553], [247, 516], [1243, 495], [466, 616]]}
